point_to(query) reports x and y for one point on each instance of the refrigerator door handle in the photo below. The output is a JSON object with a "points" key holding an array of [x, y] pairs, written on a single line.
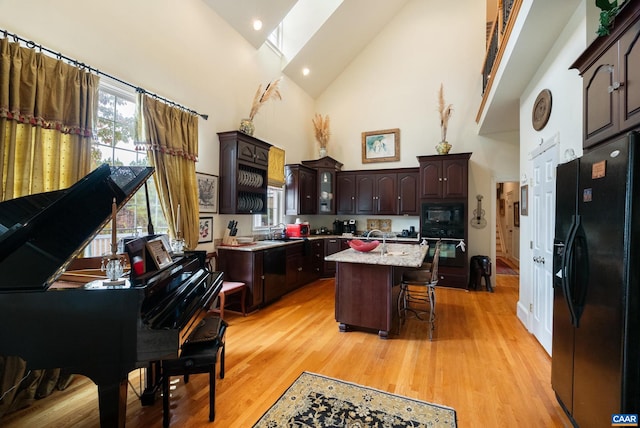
{"points": [[567, 268]]}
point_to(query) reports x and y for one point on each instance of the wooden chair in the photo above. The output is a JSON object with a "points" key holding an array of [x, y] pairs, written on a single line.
{"points": [[199, 354], [418, 288], [228, 287]]}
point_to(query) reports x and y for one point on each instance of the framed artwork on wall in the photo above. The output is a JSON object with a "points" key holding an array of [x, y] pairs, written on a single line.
{"points": [[205, 230], [381, 146], [516, 214], [207, 192]]}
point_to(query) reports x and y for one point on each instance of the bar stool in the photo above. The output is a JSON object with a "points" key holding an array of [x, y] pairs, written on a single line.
{"points": [[228, 287], [199, 354], [418, 286]]}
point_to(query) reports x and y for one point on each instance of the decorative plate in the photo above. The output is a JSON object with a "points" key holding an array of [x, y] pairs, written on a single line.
{"points": [[385, 225], [541, 110]]}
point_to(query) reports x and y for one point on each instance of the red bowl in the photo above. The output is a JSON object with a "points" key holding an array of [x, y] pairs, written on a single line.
{"points": [[363, 246]]}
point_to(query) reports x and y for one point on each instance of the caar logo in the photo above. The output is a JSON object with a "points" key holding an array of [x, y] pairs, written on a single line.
{"points": [[624, 420]]}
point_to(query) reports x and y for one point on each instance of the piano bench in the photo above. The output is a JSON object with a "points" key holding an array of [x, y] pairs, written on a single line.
{"points": [[195, 358]]}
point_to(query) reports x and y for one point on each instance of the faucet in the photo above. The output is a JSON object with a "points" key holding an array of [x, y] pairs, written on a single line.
{"points": [[277, 226], [384, 242]]}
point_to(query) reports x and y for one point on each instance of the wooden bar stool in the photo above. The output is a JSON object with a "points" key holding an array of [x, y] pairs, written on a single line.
{"points": [[228, 288]]}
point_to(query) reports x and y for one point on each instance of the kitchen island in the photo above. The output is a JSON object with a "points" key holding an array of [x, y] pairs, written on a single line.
{"points": [[367, 285]]}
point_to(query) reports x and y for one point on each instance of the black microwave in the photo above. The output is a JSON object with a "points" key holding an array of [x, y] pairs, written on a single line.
{"points": [[442, 220]]}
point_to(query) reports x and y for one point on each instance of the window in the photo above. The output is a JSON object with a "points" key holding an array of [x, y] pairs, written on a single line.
{"points": [[275, 39], [114, 144], [275, 210]]}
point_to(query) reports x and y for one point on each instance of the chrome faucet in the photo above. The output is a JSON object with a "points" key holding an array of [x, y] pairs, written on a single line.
{"points": [[277, 226], [384, 242]]}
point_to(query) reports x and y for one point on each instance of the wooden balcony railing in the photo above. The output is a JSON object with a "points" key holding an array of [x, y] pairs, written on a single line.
{"points": [[496, 42]]}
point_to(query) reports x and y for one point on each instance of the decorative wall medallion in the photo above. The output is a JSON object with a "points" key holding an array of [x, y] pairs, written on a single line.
{"points": [[541, 110]]}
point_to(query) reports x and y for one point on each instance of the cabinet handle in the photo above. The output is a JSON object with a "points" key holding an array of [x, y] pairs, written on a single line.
{"points": [[299, 269], [615, 86], [440, 179], [333, 241], [398, 197], [445, 179]]}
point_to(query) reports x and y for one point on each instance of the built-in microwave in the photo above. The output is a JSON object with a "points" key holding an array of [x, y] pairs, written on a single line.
{"points": [[442, 220]]}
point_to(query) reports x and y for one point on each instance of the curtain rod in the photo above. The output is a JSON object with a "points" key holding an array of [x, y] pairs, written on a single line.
{"points": [[33, 45]]}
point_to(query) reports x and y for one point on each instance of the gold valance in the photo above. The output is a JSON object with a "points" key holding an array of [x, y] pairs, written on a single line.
{"points": [[276, 167]]}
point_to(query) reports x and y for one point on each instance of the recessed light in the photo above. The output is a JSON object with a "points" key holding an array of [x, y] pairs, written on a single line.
{"points": [[257, 24], [305, 71]]}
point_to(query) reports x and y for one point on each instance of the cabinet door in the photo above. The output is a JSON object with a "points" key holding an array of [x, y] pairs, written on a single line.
{"points": [[630, 75], [386, 196], [307, 192], [346, 190], [408, 194], [331, 246], [431, 180], [365, 196], [454, 182], [601, 109], [246, 151], [326, 191], [261, 156]]}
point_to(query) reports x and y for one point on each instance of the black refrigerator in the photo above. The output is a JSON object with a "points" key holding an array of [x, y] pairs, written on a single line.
{"points": [[596, 311]]}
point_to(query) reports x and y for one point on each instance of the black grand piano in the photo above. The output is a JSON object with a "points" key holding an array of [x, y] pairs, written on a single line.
{"points": [[100, 332]]}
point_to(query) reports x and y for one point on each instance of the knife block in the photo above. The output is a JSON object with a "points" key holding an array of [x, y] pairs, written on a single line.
{"points": [[227, 239]]}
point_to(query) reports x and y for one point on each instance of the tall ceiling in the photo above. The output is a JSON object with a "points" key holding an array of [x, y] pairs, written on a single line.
{"points": [[329, 49]]}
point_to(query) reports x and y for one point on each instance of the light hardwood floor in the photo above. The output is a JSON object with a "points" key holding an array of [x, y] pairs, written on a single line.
{"points": [[482, 362]]}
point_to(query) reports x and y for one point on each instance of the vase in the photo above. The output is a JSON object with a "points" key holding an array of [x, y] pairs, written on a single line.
{"points": [[246, 126], [443, 147], [323, 152]]}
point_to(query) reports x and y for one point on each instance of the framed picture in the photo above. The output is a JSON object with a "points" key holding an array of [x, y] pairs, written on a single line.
{"points": [[516, 214], [207, 192], [381, 146], [524, 198], [205, 230], [158, 252]]}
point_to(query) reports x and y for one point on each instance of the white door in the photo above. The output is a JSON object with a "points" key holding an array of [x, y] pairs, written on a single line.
{"points": [[542, 209]]}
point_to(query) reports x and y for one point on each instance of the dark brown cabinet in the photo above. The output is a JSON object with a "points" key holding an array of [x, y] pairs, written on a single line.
{"points": [[444, 176], [247, 267], [610, 68], [346, 189], [331, 246], [302, 264], [300, 190], [244, 161], [379, 192], [327, 169]]}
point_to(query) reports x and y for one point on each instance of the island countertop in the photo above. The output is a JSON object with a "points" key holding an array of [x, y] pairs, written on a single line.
{"points": [[405, 255]]}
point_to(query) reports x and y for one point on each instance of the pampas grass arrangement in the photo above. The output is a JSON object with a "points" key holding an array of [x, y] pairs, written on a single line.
{"points": [[445, 113], [321, 127], [271, 91]]}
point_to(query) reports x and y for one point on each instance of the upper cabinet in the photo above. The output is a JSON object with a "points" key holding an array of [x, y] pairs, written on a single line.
{"points": [[300, 190], [327, 169], [610, 68], [444, 176], [346, 189], [244, 162]]}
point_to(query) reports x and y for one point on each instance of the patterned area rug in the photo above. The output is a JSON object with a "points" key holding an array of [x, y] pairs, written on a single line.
{"points": [[318, 401]]}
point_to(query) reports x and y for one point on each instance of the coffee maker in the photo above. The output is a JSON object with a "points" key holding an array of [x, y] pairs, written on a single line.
{"points": [[349, 226], [337, 227]]}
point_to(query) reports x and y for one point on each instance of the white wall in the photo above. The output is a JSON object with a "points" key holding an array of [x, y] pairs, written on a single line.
{"points": [[565, 121], [394, 83]]}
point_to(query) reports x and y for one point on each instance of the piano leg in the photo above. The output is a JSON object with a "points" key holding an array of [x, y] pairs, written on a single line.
{"points": [[113, 404]]}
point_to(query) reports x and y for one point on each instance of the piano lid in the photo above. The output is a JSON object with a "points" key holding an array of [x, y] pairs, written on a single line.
{"points": [[41, 234]]}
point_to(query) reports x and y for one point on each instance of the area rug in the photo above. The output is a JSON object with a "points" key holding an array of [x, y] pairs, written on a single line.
{"points": [[318, 401], [504, 269]]}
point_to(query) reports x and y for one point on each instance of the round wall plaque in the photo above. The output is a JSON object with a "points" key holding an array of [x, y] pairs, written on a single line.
{"points": [[541, 110]]}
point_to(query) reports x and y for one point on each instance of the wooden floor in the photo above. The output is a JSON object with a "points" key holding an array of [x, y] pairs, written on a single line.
{"points": [[482, 362]]}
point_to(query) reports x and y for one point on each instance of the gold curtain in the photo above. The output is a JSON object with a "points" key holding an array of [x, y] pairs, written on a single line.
{"points": [[172, 145], [47, 113]]}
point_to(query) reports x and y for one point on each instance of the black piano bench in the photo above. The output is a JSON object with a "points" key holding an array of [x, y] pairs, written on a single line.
{"points": [[199, 355]]}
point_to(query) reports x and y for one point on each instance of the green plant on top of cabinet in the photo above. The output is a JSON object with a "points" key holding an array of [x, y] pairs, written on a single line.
{"points": [[244, 162]]}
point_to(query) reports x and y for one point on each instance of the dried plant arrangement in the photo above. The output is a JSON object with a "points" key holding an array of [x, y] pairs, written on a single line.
{"points": [[271, 91], [321, 127], [445, 113]]}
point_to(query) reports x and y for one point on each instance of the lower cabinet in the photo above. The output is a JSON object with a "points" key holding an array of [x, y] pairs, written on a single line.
{"points": [[455, 277], [247, 267], [275, 270], [332, 246]]}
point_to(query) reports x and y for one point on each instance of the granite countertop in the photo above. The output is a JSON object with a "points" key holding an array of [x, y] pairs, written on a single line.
{"points": [[406, 255], [266, 244]]}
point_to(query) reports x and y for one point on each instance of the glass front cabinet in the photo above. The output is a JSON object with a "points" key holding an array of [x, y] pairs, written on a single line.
{"points": [[326, 168]]}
